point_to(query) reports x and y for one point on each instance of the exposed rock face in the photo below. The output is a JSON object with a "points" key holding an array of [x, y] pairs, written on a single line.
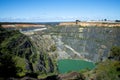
{"points": [[91, 43], [75, 42], [44, 61]]}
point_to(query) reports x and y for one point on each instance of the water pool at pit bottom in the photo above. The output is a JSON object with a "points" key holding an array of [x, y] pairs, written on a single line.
{"points": [[68, 65]]}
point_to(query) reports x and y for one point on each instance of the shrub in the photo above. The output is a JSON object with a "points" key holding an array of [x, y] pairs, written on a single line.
{"points": [[108, 70], [7, 66], [115, 52]]}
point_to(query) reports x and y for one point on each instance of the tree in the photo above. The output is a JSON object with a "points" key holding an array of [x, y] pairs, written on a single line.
{"points": [[77, 21], [117, 20], [105, 19]]}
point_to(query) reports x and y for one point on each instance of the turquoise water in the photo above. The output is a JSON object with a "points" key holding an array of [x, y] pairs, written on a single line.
{"points": [[67, 65]]}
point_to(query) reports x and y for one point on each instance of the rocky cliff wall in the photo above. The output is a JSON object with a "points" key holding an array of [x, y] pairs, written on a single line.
{"points": [[90, 43], [78, 42]]}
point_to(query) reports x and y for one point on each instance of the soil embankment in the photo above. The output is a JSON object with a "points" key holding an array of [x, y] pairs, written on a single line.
{"points": [[20, 25], [99, 24]]}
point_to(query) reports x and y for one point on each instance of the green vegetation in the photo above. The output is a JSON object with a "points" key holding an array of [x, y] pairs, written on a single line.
{"points": [[8, 63], [8, 66], [108, 70], [14, 48], [53, 48], [20, 63], [115, 52], [26, 59], [68, 65]]}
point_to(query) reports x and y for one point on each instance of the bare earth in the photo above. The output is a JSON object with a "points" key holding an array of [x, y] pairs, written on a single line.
{"points": [[98, 24]]}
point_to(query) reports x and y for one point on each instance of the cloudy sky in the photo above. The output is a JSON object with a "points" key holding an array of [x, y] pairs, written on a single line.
{"points": [[58, 10]]}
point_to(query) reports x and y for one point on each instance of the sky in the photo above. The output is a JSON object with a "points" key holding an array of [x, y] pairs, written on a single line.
{"points": [[58, 10]]}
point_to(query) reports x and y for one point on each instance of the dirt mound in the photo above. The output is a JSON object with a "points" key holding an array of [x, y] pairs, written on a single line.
{"points": [[71, 76]]}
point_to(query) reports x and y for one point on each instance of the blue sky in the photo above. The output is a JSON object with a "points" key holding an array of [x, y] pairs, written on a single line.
{"points": [[58, 10]]}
